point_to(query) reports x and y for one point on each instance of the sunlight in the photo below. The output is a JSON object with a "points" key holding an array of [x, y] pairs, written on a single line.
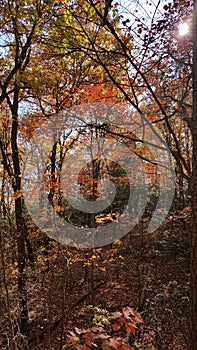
{"points": [[183, 29]]}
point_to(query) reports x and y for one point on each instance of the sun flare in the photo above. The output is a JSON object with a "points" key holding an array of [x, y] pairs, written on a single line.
{"points": [[183, 29]]}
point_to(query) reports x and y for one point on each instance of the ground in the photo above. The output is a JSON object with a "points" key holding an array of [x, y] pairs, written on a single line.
{"points": [[149, 273]]}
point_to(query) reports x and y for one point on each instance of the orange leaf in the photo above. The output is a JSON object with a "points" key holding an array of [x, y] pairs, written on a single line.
{"points": [[138, 318], [130, 328]]}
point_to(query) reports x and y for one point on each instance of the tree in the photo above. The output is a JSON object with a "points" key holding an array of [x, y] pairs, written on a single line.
{"points": [[138, 79], [58, 54], [21, 25], [135, 63], [10, 91], [194, 190], [32, 75]]}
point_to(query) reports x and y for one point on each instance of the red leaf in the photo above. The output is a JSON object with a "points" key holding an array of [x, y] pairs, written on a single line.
{"points": [[116, 326], [128, 312], [73, 339], [138, 318], [115, 342], [85, 347], [130, 328], [121, 321], [116, 314], [89, 338]]}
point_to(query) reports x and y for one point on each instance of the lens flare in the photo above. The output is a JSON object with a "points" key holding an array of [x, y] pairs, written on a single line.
{"points": [[183, 29]]}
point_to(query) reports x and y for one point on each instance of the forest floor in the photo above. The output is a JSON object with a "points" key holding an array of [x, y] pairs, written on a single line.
{"points": [[148, 273]]}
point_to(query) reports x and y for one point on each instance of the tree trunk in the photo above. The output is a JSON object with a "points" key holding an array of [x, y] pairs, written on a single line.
{"points": [[21, 234], [20, 224], [193, 282]]}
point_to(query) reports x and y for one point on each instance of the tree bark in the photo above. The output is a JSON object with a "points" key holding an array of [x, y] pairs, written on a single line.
{"points": [[20, 224]]}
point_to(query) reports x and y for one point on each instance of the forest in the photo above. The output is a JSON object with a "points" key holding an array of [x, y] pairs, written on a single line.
{"points": [[98, 175]]}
